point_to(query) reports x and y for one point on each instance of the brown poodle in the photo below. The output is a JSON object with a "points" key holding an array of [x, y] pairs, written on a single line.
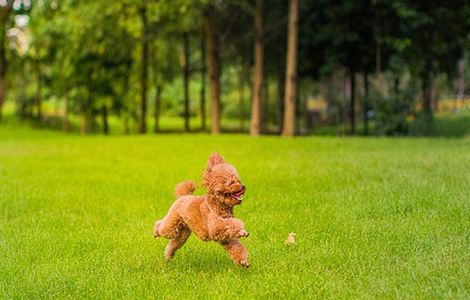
{"points": [[210, 216]]}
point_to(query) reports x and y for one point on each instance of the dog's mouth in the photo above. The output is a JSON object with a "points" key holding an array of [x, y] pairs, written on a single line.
{"points": [[238, 195]]}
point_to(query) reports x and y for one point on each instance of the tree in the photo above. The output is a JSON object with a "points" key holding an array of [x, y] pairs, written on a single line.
{"points": [[5, 11], [258, 70], [86, 54], [291, 71], [202, 92], [98, 58], [275, 49], [365, 105], [179, 18], [144, 69], [164, 68], [236, 37], [436, 32], [42, 51], [212, 57], [186, 68]]}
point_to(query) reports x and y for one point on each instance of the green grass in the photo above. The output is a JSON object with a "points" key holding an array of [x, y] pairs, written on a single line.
{"points": [[374, 218]]}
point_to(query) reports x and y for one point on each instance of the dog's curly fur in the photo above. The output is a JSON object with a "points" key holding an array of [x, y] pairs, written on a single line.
{"points": [[210, 217]]}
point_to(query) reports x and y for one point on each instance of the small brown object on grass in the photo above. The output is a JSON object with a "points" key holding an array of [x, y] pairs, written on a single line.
{"points": [[290, 239]]}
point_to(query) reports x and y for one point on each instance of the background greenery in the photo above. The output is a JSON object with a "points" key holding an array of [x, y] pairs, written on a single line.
{"points": [[82, 62]]}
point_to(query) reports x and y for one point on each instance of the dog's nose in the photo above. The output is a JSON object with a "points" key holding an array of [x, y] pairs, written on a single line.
{"points": [[243, 187]]}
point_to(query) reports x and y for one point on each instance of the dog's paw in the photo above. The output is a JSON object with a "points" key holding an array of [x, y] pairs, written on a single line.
{"points": [[155, 229], [168, 255], [245, 264], [243, 233]]}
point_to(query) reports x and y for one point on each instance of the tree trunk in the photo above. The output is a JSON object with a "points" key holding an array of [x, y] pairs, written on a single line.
{"points": [[461, 81], [202, 103], [427, 80], [427, 87], [185, 65], [378, 46], [331, 96], [84, 125], [104, 117], [127, 129], [396, 86], [308, 119], [264, 126], [66, 124], [125, 96], [158, 108], [4, 15], [258, 71], [56, 113], [241, 98], [3, 91], [352, 115], [212, 57], [291, 70], [344, 108], [378, 52], [298, 109], [435, 95], [38, 91], [366, 104], [280, 97], [86, 115], [144, 73], [338, 106]]}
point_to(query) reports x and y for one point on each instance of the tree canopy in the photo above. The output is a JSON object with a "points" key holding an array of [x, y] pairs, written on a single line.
{"points": [[137, 60]]}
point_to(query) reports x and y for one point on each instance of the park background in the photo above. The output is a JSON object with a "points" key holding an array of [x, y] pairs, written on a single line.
{"points": [[348, 121], [367, 67]]}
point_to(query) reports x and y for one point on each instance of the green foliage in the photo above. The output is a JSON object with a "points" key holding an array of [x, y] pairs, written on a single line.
{"points": [[453, 126], [89, 52], [433, 29], [391, 115], [394, 108], [423, 125]]}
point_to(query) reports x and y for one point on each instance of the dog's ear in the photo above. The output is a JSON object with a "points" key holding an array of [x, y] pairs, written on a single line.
{"points": [[215, 159]]}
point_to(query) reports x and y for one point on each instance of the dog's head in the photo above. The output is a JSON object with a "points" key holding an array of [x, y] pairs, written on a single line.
{"points": [[222, 179]]}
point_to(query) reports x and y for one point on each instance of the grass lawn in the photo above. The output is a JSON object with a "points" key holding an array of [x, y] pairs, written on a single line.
{"points": [[374, 218]]}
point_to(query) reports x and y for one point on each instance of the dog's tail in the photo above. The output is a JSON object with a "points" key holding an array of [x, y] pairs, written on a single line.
{"points": [[185, 188]]}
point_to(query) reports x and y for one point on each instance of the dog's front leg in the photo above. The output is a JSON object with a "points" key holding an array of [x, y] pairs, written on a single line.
{"points": [[237, 252], [221, 229]]}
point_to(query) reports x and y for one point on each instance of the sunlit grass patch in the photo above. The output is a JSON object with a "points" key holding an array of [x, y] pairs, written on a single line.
{"points": [[379, 218]]}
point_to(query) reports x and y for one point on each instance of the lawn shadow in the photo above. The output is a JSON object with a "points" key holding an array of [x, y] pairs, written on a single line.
{"points": [[197, 260]]}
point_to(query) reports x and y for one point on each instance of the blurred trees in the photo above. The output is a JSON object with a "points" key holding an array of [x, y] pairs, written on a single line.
{"points": [[6, 9], [101, 60], [435, 32]]}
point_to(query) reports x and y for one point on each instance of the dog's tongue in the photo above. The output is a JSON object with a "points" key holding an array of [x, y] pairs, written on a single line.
{"points": [[239, 193]]}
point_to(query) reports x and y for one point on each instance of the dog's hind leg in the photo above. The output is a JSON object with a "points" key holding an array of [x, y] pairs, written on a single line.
{"points": [[237, 252], [168, 226], [177, 241]]}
